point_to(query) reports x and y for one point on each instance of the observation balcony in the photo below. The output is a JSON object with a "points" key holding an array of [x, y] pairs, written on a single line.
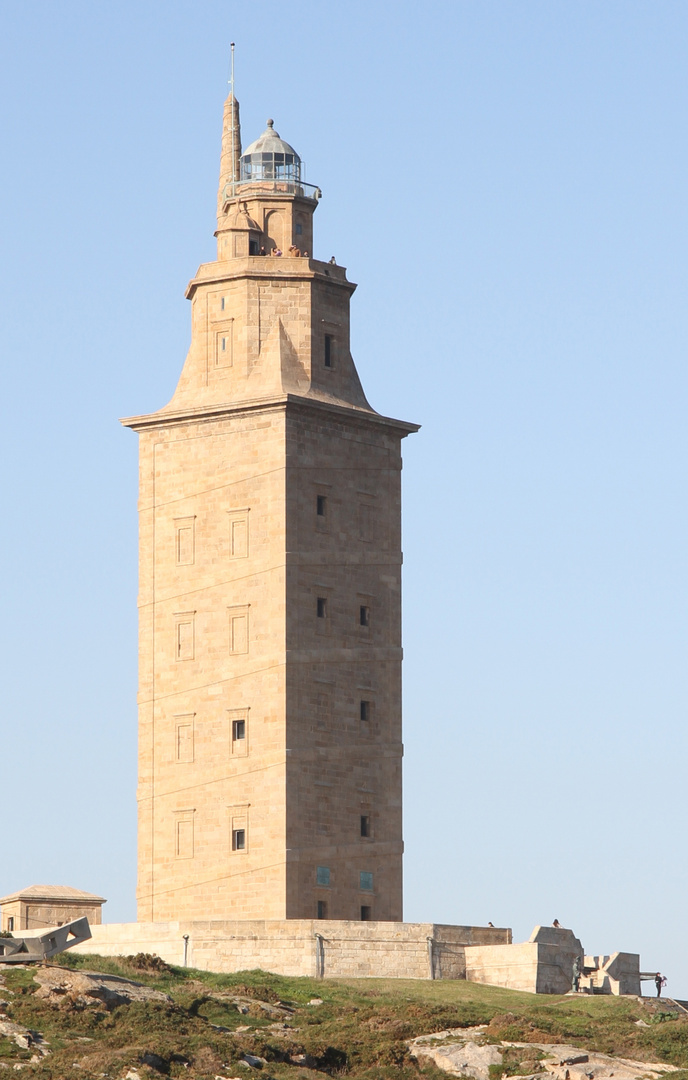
{"points": [[270, 186]]}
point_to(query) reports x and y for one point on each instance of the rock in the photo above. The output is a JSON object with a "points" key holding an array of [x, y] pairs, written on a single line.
{"points": [[85, 988], [304, 1060], [460, 1059], [315, 1001], [252, 1061], [641, 1023], [23, 1037], [133, 1074], [254, 1007], [466, 1056]]}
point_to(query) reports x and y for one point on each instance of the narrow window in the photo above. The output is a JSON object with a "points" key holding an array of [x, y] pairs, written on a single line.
{"points": [[185, 640], [184, 742], [184, 838], [322, 876], [321, 505], [253, 247], [238, 533], [224, 345], [328, 350], [365, 825], [184, 545], [299, 228], [322, 909], [365, 913], [238, 630], [184, 540], [222, 304], [238, 827], [10, 924], [364, 615], [365, 711], [322, 607], [366, 881], [238, 731]]}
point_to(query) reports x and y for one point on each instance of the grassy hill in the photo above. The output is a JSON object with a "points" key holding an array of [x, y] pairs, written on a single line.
{"points": [[359, 1030]]}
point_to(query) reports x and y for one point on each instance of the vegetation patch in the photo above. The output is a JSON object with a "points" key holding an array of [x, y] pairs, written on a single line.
{"points": [[212, 1024]]}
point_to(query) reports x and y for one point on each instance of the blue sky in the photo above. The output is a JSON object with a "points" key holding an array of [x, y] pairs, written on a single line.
{"points": [[506, 182]]}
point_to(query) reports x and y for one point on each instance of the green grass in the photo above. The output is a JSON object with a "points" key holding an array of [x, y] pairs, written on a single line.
{"points": [[360, 1031]]}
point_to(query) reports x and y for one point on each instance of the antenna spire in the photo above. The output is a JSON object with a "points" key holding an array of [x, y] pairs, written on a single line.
{"points": [[231, 90], [230, 157]]}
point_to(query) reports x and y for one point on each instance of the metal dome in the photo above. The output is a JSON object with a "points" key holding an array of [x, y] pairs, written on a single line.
{"points": [[270, 158], [270, 143]]}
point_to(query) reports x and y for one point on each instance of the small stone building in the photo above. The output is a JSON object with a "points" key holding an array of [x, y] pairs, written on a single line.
{"points": [[48, 905]]}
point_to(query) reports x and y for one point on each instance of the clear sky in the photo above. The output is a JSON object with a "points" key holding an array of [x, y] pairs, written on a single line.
{"points": [[506, 180]]}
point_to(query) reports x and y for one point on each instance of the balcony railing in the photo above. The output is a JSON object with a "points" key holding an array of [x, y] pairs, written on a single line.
{"points": [[240, 188]]}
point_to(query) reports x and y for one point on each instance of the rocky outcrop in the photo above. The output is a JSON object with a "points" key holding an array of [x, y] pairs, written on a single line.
{"points": [[83, 988], [466, 1052]]}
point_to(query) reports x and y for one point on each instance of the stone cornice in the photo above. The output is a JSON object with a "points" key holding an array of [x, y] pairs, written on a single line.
{"points": [[267, 268], [165, 419]]}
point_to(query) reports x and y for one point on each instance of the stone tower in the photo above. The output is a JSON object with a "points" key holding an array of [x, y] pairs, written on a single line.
{"points": [[270, 563]]}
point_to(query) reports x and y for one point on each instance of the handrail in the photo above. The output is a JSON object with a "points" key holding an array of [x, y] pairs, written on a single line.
{"points": [[235, 188]]}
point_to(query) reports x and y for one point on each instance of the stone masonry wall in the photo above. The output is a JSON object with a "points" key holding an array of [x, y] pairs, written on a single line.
{"points": [[290, 947]]}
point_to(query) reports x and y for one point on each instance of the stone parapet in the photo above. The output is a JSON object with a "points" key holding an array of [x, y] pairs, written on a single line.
{"points": [[331, 948]]}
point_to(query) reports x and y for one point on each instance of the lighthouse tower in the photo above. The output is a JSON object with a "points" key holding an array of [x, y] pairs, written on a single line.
{"points": [[270, 605]]}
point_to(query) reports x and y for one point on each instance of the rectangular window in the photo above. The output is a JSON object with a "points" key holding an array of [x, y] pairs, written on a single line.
{"points": [[365, 825], [238, 827], [329, 350], [366, 711], [366, 882], [184, 738], [224, 345], [222, 304], [184, 836], [10, 924], [365, 522], [322, 909], [184, 636], [238, 534], [238, 729], [365, 913], [239, 538], [321, 505], [299, 228], [364, 615], [184, 545], [321, 607], [238, 630], [184, 529], [322, 876]]}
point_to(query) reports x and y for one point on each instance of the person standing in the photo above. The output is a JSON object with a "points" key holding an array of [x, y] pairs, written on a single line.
{"points": [[660, 981]]}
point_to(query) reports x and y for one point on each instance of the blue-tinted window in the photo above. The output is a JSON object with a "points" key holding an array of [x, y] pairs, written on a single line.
{"points": [[366, 881], [322, 876]]}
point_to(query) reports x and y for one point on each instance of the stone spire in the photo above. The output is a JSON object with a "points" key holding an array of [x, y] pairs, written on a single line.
{"points": [[231, 151]]}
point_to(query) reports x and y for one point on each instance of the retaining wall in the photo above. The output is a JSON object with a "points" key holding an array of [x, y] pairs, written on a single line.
{"points": [[290, 946]]}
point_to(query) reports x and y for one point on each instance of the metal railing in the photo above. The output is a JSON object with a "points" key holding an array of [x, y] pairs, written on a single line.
{"points": [[238, 188]]}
